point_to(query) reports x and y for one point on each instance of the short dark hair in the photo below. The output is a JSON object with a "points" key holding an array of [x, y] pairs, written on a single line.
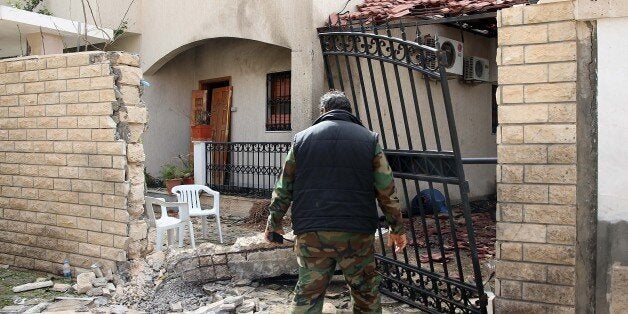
{"points": [[335, 100]]}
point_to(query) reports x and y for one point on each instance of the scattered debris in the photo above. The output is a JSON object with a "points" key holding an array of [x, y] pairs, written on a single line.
{"points": [[33, 286], [61, 287]]}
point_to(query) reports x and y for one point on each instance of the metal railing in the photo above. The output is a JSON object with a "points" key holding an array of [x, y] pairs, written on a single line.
{"points": [[244, 168]]}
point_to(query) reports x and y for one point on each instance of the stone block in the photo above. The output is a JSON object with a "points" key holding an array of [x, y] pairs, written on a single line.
{"points": [[79, 135], [561, 275], [138, 230], [112, 148], [34, 64], [103, 135], [68, 73], [29, 76], [510, 212], [555, 92], [561, 174], [90, 70], [561, 31], [89, 96], [520, 271], [58, 61], [561, 234], [68, 97], [78, 59], [519, 74], [55, 86], [124, 58], [511, 251], [521, 232], [549, 12], [549, 253], [522, 193], [116, 254], [107, 95], [128, 75], [84, 282], [135, 153], [55, 110], [562, 194], [562, 72], [9, 78], [565, 112], [516, 154], [550, 214], [131, 94], [115, 228], [523, 114], [550, 134], [90, 199], [67, 122], [512, 16], [14, 89], [522, 35], [102, 82], [99, 161], [98, 238], [548, 293], [511, 94], [511, 55], [512, 174], [134, 115], [551, 52], [15, 66]]}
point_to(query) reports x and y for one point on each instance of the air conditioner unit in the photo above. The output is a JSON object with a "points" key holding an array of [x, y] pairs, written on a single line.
{"points": [[453, 51], [476, 69]]}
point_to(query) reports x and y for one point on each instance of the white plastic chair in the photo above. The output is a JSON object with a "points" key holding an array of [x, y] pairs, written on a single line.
{"points": [[190, 194], [169, 224]]}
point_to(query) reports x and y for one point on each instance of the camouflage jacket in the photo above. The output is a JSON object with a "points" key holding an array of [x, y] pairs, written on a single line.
{"points": [[384, 191]]}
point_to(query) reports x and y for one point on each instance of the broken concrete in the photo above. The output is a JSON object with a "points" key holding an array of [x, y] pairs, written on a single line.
{"points": [[61, 287], [249, 258], [33, 286], [84, 282]]}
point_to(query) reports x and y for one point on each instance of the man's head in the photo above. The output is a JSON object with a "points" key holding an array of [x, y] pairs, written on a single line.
{"points": [[333, 100]]}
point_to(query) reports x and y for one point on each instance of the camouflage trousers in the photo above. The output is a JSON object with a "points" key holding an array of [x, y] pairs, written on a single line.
{"points": [[319, 252]]}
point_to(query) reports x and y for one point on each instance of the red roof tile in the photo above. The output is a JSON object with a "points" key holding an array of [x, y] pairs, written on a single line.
{"points": [[378, 10]]}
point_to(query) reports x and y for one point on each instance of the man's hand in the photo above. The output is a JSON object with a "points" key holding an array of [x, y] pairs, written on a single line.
{"points": [[398, 240], [267, 233]]}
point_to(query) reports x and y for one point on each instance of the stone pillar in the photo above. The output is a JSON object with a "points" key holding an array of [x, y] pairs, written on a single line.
{"points": [[200, 162], [537, 164]]}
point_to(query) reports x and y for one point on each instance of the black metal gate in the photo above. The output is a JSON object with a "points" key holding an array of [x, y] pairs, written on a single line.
{"points": [[399, 88]]}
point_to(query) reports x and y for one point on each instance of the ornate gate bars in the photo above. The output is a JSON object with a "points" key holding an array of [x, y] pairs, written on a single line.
{"points": [[424, 154]]}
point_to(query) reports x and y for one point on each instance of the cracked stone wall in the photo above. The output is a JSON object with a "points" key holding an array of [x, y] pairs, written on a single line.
{"points": [[71, 160]]}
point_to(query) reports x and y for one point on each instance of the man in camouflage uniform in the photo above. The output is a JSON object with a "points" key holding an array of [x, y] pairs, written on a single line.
{"points": [[333, 173]]}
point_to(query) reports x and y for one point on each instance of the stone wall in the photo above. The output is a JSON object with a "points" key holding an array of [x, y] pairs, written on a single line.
{"points": [[71, 160], [537, 170]]}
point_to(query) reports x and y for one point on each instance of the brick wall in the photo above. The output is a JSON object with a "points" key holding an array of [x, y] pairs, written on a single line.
{"points": [[536, 171], [71, 162]]}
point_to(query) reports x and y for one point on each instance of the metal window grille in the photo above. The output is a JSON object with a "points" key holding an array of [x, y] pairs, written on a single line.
{"points": [[278, 113]]}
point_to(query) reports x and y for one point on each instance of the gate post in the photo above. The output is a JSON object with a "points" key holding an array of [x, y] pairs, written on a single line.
{"points": [[200, 163], [538, 169]]}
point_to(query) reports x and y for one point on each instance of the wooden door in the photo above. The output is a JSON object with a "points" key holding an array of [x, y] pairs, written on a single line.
{"points": [[199, 104], [220, 123]]}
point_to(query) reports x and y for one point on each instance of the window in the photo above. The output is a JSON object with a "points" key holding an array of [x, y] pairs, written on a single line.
{"points": [[278, 102]]}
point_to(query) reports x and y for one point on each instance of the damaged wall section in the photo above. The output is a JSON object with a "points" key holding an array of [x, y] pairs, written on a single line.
{"points": [[71, 160]]}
